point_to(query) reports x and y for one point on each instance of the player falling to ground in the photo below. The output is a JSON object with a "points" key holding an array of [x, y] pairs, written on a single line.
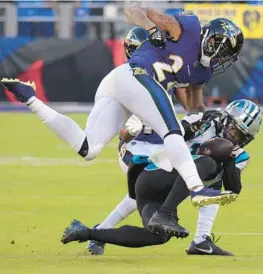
{"points": [[239, 123], [230, 175], [176, 54]]}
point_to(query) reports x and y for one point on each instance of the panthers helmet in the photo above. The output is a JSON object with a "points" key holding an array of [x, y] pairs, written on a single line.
{"points": [[241, 122], [222, 42], [135, 37]]}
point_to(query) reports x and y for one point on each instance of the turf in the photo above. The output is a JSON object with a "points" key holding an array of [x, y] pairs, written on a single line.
{"points": [[44, 185]]}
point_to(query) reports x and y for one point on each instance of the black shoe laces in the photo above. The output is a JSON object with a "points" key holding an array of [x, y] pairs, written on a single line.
{"points": [[212, 239]]}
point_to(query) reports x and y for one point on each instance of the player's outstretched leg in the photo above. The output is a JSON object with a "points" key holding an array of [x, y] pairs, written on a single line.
{"points": [[128, 236], [122, 211], [106, 118]]}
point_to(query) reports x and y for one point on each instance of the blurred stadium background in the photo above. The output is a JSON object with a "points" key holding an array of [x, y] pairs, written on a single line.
{"points": [[67, 47]]}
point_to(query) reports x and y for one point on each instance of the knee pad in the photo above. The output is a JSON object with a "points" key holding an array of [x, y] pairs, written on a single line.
{"points": [[84, 150], [89, 153]]}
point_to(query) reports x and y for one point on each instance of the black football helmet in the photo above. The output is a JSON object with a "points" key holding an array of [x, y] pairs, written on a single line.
{"points": [[222, 42], [135, 37]]}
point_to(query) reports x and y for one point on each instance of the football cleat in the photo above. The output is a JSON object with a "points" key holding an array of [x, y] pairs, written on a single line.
{"points": [[164, 221], [96, 247], [207, 196], [75, 232], [23, 91], [207, 247]]}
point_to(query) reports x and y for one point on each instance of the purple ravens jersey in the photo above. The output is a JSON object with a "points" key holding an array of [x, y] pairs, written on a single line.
{"points": [[149, 136], [177, 64]]}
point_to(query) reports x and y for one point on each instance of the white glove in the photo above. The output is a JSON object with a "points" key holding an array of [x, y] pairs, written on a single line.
{"points": [[194, 121], [134, 125], [193, 118]]}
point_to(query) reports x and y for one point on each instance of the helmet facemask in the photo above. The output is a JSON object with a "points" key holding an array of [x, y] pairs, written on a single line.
{"points": [[216, 53], [221, 44], [234, 133]]}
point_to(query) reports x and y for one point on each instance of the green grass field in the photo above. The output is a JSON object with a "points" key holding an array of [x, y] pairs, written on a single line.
{"points": [[44, 185]]}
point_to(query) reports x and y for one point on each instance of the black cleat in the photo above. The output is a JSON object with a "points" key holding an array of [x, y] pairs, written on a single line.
{"points": [[76, 231], [207, 247], [96, 247], [164, 221]]}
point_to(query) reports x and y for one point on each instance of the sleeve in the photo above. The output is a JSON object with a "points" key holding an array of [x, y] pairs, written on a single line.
{"points": [[231, 177], [241, 158], [189, 22], [233, 168]]}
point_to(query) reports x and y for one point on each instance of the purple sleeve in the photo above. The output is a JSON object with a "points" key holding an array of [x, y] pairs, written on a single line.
{"points": [[189, 22]]}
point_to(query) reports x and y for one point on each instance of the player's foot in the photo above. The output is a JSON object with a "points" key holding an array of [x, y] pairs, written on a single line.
{"points": [[164, 221], [207, 196], [23, 91], [76, 231], [96, 247], [207, 247]]}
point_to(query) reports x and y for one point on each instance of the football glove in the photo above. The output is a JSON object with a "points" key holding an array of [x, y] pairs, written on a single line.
{"points": [[134, 125], [193, 121]]}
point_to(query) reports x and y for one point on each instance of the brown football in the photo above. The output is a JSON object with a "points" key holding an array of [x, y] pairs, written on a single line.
{"points": [[218, 148]]}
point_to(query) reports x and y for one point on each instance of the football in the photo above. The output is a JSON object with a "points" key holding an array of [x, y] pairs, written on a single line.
{"points": [[218, 148]]}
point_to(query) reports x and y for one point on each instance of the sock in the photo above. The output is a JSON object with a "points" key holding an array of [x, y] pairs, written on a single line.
{"points": [[129, 236], [182, 160], [205, 222], [122, 211], [63, 126]]}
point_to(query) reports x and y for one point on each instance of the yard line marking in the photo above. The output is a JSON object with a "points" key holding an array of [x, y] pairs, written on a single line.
{"points": [[240, 233], [42, 161]]}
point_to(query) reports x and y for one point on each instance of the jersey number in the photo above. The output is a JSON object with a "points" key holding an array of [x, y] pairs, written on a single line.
{"points": [[162, 68]]}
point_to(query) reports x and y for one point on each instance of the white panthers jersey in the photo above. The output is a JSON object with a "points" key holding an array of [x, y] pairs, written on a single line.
{"points": [[160, 158]]}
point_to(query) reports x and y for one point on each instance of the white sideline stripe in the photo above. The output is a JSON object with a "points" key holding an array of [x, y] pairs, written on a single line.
{"points": [[240, 233], [18, 212], [131, 258], [39, 161]]}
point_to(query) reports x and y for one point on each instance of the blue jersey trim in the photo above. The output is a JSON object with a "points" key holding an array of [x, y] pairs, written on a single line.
{"points": [[151, 167], [139, 159], [244, 156]]}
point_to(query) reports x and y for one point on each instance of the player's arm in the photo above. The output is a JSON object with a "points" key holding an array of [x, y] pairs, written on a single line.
{"points": [[232, 177], [233, 169], [181, 97], [150, 18], [191, 124], [195, 99]]}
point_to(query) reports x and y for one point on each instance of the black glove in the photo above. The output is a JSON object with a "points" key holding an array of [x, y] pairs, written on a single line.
{"points": [[157, 37], [210, 115]]}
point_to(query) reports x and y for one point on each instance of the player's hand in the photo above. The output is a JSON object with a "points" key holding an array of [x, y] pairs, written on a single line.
{"points": [[210, 115], [157, 37], [194, 121], [134, 126]]}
